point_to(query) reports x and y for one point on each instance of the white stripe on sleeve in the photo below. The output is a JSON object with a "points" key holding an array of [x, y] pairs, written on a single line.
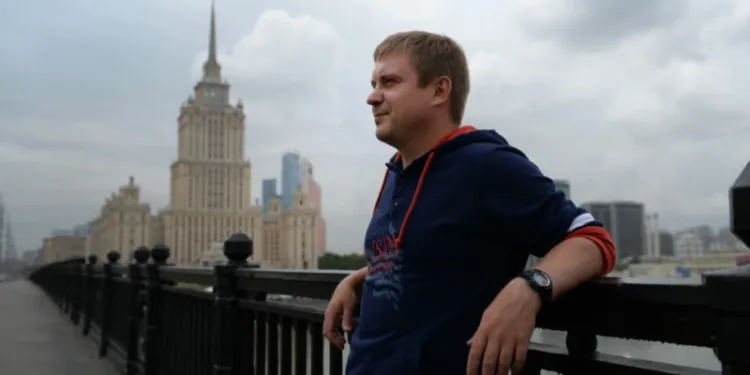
{"points": [[581, 220]]}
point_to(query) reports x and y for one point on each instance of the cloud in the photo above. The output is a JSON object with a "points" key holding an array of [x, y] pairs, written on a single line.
{"points": [[591, 24], [642, 102], [286, 72]]}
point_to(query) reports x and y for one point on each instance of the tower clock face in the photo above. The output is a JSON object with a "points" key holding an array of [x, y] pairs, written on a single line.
{"points": [[213, 95]]}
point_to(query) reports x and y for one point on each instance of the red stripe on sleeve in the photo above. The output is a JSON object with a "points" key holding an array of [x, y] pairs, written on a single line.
{"points": [[603, 241]]}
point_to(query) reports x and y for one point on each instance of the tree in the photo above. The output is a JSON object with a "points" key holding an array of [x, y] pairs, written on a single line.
{"points": [[333, 261]]}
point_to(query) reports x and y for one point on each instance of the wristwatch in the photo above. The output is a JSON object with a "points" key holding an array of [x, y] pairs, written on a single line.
{"points": [[540, 282]]}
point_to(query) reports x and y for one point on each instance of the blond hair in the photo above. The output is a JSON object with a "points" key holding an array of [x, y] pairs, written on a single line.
{"points": [[432, 56]]}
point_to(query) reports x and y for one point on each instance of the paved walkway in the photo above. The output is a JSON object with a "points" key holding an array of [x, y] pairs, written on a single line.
{"points": [[36, 339]]}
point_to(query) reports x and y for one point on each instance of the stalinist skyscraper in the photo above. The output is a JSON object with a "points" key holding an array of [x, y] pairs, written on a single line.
{"points": [[210, 191], [210, 180]]}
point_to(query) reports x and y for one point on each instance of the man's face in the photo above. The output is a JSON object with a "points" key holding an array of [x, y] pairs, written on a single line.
{"points": [[398, 104]]}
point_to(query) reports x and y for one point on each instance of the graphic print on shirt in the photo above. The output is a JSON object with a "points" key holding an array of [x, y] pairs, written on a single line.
{"points": [[383, 259]]}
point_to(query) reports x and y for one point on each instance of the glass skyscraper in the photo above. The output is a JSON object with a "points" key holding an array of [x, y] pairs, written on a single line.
{"points": [[268, 192], [290, 177]]}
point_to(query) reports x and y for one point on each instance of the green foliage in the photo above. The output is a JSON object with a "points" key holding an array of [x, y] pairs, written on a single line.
{"points": [[333, 261], [620, 266]]}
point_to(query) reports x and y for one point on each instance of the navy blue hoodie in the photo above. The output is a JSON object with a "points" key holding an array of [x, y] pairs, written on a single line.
{"points": [[447, 233]]}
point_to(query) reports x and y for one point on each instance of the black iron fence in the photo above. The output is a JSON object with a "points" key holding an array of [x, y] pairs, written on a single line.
{"points": [[147, 320]]}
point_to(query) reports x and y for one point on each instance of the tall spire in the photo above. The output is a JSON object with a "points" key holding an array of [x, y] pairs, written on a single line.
{"points": [[212, 35], [10, 243], [211, 68]]}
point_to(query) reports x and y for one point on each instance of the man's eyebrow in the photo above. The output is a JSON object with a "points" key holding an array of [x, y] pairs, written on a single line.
{"points": [[392, 76]]}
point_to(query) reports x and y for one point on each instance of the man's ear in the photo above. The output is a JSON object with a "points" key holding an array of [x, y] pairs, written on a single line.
{"points": [[442, 90]]}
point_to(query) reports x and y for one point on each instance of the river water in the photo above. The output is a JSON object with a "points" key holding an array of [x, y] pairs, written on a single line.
{"points": [[652, 351]]}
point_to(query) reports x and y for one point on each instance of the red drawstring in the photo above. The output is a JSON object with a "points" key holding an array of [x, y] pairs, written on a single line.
{"points": [[455, 133]]}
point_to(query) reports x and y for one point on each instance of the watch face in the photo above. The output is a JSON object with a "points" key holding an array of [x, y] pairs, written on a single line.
{"points": [[541, 279]]}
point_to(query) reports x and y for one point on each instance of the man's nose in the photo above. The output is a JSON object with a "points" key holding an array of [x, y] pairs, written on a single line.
{"points": [[375, 98]]}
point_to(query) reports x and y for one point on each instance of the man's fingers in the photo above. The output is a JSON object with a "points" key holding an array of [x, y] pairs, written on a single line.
{"points": [[329, 319], [489, 359], [474, 363], [519, 356], [330, 326], [505, 358], [336, 339]]}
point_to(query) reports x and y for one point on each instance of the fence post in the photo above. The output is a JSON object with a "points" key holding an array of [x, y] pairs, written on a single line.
{"points": [[739, 206], [226, 336], [89, 293], [78, 284], [159, 255], [59, 285], [729, 288], [727, 291], [112, 258], [135, 308], [65, 285]]}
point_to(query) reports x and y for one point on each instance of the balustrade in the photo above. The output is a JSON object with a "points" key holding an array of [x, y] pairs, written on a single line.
{"points": [[147, 320]]}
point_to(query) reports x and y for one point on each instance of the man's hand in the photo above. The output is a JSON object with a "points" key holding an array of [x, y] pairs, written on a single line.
{"points": [[340, 306], [503, 336]]}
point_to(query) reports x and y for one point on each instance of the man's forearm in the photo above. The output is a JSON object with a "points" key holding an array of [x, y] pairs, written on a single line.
{"points": [[572, 262]]}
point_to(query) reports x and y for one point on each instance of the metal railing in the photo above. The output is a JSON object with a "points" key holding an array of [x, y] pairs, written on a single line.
{"points": [[148, 322]]}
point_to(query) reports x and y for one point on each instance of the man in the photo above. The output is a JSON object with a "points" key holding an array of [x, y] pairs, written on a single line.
{"points": [[459, 212]]}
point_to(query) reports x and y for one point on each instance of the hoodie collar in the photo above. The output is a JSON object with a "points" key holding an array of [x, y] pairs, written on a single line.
{"points": [[428, 160], [394, 165]]}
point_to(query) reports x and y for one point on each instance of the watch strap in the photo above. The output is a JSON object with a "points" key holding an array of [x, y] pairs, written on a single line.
{"points": [[544, 292]]}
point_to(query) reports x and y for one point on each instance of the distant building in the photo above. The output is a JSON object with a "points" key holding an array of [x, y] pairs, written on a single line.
{"points": [[268, 191], [666, 244], [82, 230], [310, 187], [564, 186], [625, 221], [305, 174], [688, 244], [704, 232], [210, 193], [123, 224], [211, 182], [57, 248], [290, 177], [214, 256], [653, 239]]}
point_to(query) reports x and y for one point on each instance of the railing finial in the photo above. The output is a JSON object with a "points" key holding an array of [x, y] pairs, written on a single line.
{"points": [[160, 254], [113, 256], [141, 255], [238, 248], [92, 259]]}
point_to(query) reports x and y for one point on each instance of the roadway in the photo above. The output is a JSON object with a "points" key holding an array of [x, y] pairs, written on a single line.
{"points": [[35, 338]]}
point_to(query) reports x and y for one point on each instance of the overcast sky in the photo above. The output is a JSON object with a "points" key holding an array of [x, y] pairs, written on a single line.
{"points": [[631, 100]]}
